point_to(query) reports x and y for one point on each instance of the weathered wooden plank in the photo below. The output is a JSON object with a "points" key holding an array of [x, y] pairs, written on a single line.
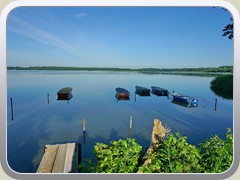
{"points": [[70, 165], [60, 159], [48, 159]]}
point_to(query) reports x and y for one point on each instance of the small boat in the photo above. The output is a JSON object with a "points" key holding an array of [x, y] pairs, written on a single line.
{"points": [[65, 93], [159, 91], [122, 94], [184, 99], [142, 91]]}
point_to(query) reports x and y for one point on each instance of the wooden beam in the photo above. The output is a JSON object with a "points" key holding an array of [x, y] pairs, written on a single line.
{"points": [[48, 159]]}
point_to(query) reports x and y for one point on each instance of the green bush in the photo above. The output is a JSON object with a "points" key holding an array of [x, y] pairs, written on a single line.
{"points": [[120, 156], [174, 155], [217, 154]]}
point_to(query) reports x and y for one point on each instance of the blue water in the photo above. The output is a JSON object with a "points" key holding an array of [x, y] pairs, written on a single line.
{"points": [[37, 123]]}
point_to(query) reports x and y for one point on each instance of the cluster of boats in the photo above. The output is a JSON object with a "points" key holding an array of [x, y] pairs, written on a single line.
{"points": [[123, 94]]}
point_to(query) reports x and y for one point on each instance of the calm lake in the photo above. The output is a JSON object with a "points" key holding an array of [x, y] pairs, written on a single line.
{"points": [[37, 123]]}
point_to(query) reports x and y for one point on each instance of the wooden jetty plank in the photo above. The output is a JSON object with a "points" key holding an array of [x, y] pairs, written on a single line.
{"points": [[48, 159], [60, 159], [71, 157]]}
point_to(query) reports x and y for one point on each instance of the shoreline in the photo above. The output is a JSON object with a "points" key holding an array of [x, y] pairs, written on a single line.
{"points": [[214, 71]]}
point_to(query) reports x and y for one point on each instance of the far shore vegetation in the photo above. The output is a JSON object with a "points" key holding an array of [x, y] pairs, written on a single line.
{"points": [[221, 69]]}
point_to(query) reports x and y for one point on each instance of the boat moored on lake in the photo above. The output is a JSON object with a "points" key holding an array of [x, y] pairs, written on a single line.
{"points": [[122, 94], [184, 98], [65, 93], [142, 91], [158, 91]]}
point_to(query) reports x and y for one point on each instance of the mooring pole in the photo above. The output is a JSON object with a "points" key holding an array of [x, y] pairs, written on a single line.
{"points": [[130, 123], [84, 137], [215, 104], [11, 108], [84, 125], [84, 130], [48, 98], [135, 98]]}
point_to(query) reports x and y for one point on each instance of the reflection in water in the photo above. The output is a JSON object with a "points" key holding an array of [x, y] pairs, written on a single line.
{"points": [[157, 94], [36, 123], [188, 105], [65, 98], [223, 86], [143, 94], [11, 108], [119, 98]]}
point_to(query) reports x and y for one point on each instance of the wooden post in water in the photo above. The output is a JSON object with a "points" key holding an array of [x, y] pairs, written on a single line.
{"points": [[215, 104], [135, 98], [11, 108], [84, 130], [130, 127], [84, 125], [48, 98]]}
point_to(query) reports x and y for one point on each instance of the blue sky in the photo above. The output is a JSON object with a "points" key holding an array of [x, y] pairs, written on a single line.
{"points": [[118, 37]]}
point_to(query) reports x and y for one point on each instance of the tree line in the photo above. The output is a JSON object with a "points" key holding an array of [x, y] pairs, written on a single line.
{"points": [[223, 69]]}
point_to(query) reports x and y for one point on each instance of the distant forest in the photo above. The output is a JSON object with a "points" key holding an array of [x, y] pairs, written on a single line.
{"points": [[221, 69]]}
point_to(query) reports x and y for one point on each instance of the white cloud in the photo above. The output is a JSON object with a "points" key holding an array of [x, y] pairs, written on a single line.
{"points": [[23, 28], [80, 15]]}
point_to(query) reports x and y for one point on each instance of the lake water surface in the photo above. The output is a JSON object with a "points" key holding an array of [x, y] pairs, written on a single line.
{"points": [[37, 123]]}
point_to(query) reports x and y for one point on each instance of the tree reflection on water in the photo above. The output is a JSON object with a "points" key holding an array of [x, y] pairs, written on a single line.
{"points": [[223, 86]]}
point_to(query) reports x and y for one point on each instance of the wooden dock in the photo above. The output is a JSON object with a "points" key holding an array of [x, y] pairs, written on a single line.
{"points": [[60, 158]]}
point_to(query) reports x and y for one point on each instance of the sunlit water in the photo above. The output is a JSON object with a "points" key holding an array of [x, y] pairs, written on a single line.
{"points": [[37, 123]]}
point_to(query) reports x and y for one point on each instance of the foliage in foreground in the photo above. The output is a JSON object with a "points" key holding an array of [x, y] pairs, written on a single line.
{"points": [[173, 155], [217, 154], [119, 157]]}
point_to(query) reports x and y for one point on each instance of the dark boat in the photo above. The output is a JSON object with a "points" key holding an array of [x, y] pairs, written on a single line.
{"points": [[122, 94], [184, 99], [159, 91], [65, 93], [142, 91]]}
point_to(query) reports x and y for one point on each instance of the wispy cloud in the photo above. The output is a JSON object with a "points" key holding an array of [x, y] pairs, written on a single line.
{"points": [[23, 28], [80, 15]]}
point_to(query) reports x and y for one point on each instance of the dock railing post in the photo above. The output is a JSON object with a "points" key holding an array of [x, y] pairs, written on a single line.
{"points": [[11, 108]]}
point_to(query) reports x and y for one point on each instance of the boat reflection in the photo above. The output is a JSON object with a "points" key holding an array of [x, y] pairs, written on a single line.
{"points": [[157, 94], [65, 98], [187, 105], [120, 98]]}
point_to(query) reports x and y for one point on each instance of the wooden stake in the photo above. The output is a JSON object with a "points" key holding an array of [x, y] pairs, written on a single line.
{"points": [[130, 122], [11, 108], [84, 125], [215, 104], [48, 98]]}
